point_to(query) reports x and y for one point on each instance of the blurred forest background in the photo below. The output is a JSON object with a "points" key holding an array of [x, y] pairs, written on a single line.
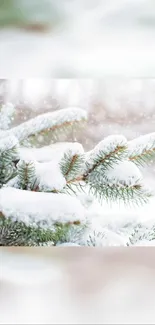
{"points": [[77, 38]]}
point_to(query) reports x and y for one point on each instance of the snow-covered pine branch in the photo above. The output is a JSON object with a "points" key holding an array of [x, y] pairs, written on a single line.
{"points": [[8, 143], [55, 122], [49, 168], [26, 178], [142, 234], [121, 183], [39, 196], [142, 149], [38, 213], [8, 154], [106, 172], [106, 154], [72, 164]]}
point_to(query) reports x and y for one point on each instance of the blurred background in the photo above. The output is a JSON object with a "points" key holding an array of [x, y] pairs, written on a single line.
{"points": [[77, 285], [76, 38]]}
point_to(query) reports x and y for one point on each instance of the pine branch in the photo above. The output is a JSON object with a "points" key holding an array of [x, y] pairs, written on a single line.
{"points": [[107, 153], [44, 123], [8, 143], [72, 166], [17, 233], [96, 239], [41, 209], [142, 150], [104, 174], [26, 175], [129, 194], [94, 164], [141, 233], [8, 153]]}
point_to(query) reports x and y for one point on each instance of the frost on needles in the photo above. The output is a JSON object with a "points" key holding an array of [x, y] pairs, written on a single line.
{"points": [[40, 187]]}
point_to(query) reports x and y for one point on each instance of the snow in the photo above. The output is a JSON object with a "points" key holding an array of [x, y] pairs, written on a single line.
{"points": [[146, 243], [6, 115], [68, 245], [47, 121], [107, 145], [8, 143], [47, 163], [120, 220], [49, 176], [125, 173], [111, 40], [101, 237], [138, 145], [38, 207], [48, 153]]}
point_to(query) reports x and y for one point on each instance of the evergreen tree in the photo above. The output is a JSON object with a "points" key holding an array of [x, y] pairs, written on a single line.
{"points": [[40, 187]]}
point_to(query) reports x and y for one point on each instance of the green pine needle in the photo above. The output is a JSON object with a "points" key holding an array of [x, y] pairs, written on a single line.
{"points": [[104, 160], [134, 194], [17, 233], [72, 166], [26, 175]]}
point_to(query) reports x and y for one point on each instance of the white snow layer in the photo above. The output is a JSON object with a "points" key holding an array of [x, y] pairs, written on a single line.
{"points": [[138, 145], [47, 163], [8, 143], [6, 115], [49, 176], [108, 145], [38, 207], [124, 173], [48, 153], [47, 121]]}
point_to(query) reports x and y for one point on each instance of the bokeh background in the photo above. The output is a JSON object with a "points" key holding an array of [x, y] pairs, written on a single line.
{"points": [[76, 38], [77, 286]]}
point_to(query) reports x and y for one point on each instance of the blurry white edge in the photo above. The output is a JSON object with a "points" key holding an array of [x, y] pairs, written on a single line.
{"points": [[23, 269]]}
